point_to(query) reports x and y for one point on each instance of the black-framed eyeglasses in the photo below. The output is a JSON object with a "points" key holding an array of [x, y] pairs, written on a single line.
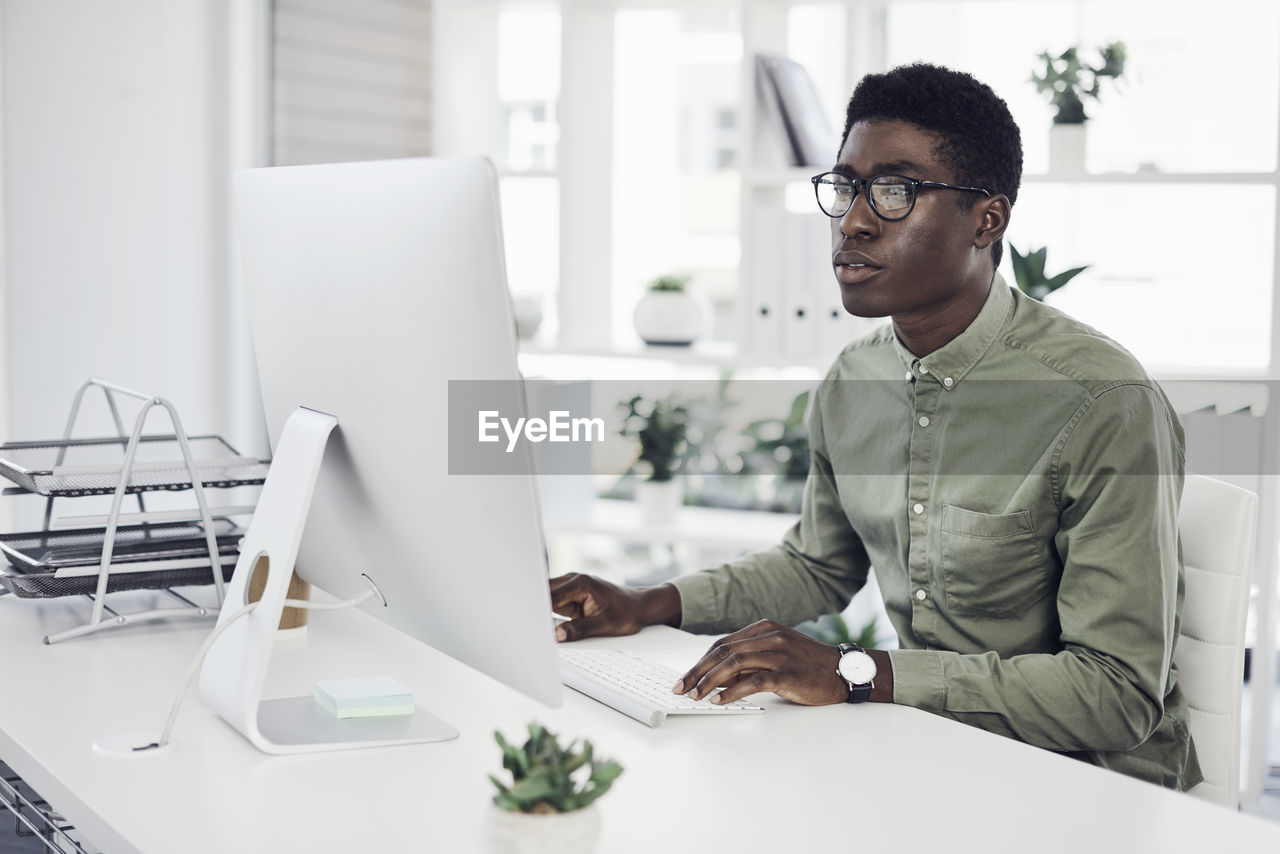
{"points": [[892, 197]]}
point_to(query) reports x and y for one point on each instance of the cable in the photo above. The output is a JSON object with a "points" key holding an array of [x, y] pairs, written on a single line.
{"points": [[194, 667]]}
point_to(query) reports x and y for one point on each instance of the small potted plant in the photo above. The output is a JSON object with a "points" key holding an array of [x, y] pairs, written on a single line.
{"points": [[549, 805], [661, 426], [667, 315], [1068, 82], [1028, 272]]}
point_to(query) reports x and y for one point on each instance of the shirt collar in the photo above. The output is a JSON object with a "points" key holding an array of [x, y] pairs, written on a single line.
{"points": [[952, 361]]}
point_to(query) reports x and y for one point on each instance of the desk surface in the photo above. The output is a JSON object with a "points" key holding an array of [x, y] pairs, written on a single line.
{"points": [[794, 778]]}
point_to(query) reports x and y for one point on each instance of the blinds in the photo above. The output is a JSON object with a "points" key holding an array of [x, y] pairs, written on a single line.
{"points": [[351, 80]]}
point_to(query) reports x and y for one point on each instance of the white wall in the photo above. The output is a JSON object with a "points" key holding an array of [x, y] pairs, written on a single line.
{"points": [[115, 148]]}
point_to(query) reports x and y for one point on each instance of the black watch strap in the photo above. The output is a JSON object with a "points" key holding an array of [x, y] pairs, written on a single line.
{"points": [[857, 693]]}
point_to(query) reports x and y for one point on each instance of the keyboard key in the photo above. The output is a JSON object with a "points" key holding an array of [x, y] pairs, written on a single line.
{"points": [[636, 686]]}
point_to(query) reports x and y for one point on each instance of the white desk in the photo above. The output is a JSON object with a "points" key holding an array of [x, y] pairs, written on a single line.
{"points": [[794, 778]]}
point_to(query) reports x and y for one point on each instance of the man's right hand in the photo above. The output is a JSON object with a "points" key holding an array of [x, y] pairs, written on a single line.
{"points": [[596, 608]]}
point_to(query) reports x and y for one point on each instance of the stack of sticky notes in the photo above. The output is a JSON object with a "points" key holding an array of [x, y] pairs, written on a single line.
{"points": [[365, 697]]}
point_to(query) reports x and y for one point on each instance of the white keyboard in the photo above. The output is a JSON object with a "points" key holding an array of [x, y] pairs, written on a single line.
{"points": [[636, 686]]}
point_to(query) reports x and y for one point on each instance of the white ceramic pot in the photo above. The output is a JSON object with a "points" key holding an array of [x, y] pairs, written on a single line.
{"points": [[659, 500], [574, 832], [1067, 149], [668, 317]]}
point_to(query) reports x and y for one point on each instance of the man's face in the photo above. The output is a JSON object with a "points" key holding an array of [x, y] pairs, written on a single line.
{"points": [[910, 268]]}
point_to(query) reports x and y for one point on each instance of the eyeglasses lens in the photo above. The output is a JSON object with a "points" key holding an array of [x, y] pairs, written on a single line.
{"points": [[835, 194], [892, 195]]}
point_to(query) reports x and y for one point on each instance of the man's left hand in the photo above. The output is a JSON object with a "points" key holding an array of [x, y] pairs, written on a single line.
{"points": [[766, 656]]}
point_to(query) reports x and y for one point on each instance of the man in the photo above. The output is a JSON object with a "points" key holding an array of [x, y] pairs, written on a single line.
{"points": [[1012, 475]]}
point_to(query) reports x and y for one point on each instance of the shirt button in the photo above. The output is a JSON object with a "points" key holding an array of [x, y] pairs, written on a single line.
{"points": [[924, 420], [919, 508], [921, 595], [948, 382], [923, 369], [910, 376]]}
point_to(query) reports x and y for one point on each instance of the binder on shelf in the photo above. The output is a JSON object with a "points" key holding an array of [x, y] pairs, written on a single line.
{"points": [[792, 112], [771, 148], [762, 283], [806, 249]]}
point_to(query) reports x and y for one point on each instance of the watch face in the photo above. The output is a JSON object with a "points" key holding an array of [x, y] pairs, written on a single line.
{"points": [[857, 667]]}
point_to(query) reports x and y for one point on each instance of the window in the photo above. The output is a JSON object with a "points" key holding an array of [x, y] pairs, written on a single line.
{"points": [[675, 184], [528, 92], [1200, 94]]}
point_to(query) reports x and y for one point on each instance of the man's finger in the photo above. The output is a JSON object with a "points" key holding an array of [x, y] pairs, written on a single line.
{"points": [[719, 651], [738, 663], [567, 592], [713, 656], [746, 684], [579, 628]]}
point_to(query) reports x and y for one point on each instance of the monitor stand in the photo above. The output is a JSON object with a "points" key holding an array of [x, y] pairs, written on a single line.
{"points": [[235, 669]]}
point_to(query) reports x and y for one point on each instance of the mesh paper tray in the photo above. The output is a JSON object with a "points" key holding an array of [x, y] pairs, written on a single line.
{"points": [[48, 585], [43, 551], [92, 466], [145, 557]]}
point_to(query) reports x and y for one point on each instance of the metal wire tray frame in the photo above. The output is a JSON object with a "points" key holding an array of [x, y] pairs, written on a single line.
{"points": [[49, 564], [135, 463], [48, 551], [148, 575], [34, 817], [76, 467]]}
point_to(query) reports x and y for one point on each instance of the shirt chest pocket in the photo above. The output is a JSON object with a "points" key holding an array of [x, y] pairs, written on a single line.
{"points": [[991, 565]]}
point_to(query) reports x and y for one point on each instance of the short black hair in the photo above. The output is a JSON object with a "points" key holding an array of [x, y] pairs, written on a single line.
{"points": [[978, 138]]}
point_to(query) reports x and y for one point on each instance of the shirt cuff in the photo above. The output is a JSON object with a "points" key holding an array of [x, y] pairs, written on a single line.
{"points": [[917, 679], [699, 611]]}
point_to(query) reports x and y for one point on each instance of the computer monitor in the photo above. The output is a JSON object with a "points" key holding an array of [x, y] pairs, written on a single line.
{"points": [[371, 286]]}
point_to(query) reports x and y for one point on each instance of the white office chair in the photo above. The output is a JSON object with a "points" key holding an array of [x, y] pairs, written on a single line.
{"points": [[1218, 524]]}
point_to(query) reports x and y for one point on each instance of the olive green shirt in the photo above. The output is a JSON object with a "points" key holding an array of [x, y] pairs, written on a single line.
{"points": [[1017, 493]]}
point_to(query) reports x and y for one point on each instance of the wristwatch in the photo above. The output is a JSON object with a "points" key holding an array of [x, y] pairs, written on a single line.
{"points": [[858, 669]]}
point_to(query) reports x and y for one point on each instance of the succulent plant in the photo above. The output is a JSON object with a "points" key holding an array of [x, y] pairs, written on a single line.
{"points": [[546, 777], [669, 283]]}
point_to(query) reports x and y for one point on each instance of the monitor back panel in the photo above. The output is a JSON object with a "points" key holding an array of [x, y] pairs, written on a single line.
{"points": [[371, 286]]}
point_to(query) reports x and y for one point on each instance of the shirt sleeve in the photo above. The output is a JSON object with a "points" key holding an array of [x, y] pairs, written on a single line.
{"points": [[816, 569], [1117, 481]]}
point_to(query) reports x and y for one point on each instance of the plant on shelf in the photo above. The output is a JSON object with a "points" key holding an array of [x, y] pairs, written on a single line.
{"points": [[1068, 81], [1028, 271], [667, 315], [834, 629], [549, 803], [661, 426], [669, 283]]}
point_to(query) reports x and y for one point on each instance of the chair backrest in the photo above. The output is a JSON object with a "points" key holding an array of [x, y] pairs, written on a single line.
{"points": [[1218, 523]]}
